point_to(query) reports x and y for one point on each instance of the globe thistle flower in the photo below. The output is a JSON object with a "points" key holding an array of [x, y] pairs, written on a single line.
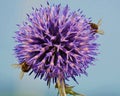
{"points": [[56, 44]]}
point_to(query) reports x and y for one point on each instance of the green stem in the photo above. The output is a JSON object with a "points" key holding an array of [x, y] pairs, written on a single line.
{"points": [[61, 87]]}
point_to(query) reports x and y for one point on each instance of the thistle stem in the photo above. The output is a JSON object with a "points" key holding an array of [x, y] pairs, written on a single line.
{"points": [[61, 87]]}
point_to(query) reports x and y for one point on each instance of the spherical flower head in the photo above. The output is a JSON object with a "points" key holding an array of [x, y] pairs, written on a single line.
{"points": [[56, 43]]}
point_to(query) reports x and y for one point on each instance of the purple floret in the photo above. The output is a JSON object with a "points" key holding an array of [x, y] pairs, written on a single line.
{"points": [[56, 43]]}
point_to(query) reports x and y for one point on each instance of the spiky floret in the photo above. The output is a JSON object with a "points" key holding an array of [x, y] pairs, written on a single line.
{"points": [[56, 43]]}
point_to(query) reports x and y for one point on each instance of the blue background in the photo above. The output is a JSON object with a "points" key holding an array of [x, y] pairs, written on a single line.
{"points": [[103, 79]]}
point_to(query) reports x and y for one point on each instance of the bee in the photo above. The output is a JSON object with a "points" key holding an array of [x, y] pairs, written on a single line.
{"points": [[95, 27], [24, 68]]}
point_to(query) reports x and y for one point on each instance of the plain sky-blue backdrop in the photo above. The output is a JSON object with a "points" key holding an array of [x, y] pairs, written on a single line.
{"points": [[103, 79]]}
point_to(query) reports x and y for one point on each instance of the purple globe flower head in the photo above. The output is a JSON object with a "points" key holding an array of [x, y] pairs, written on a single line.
{"points": [[56, 43]]}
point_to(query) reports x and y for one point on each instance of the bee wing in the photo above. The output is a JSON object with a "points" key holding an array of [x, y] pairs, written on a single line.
{"points": [[21, 75], [101, 32], [99, 22], [15, 65]]}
